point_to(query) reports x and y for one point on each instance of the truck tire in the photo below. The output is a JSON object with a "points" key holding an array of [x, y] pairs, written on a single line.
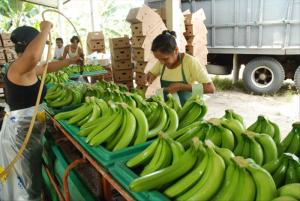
{"points": [[297, 78], [263, 75], [218, 69]]}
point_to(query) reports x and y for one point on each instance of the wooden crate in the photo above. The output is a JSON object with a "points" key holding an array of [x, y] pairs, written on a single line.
{"points": [[121, 54], [123, 75]]}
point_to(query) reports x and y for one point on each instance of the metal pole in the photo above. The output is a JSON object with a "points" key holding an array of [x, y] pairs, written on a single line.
{"points": [[92, 15]]}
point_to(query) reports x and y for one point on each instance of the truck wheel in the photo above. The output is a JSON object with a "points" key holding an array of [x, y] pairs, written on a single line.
{"points": [[297, 78], [263, 75]]}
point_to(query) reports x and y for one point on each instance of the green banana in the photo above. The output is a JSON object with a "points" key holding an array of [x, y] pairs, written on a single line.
{"points": [[291, 190], [269, 147], [284, 198], [291, 174], [142, 126], [256, 151], [272, 166], [103, 135], [265, 186], [172, 116], [159, 126], [166, 175], [69, 114], [114, 139], [294, 147], [181, 131], [230, 114], [189, 179], [246, 187], [210, 182], [226, 192], [225, 153], [177, 150], [279, 174], [129, 131], [80, 115], [144, 156]]}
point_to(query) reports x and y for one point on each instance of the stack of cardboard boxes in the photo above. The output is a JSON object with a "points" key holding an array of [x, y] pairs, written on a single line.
{"points": [[146, 24], [95, 42], [121, 61], [7, 49], [196, 35]]}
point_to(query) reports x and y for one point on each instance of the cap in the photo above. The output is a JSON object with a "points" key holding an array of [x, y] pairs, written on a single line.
{"points": [[23, 35]]}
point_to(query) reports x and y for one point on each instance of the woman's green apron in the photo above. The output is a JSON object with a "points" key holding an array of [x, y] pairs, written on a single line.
{"points": [[183, 95]]}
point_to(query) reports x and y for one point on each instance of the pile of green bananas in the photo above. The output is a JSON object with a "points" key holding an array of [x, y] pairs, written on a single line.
{"points": [[193, 110], [291, 143], [289, 192], [86, 68], [115, 125], [260, 147], [62, 95], [173, 103], [285, 169], [206, 172], [57, 77], [162, 152], [263, 125]]}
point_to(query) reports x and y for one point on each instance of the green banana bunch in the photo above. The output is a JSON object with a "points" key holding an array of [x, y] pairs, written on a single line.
{"points": [[211, 180], [173, 103], [56, 77], [199, 131], [285, 169], [62, 95], [289, 192], [235, 127], [220, 136], [260, 147], [193, 110], [183, 131], [166, 175], [263, 125], [230, 114], [291, 143]]}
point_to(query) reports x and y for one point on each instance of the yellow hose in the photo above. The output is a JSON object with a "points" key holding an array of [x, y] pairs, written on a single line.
{"points": [[5, 173]]}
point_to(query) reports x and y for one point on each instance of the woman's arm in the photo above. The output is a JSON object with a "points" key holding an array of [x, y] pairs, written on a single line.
{"points": [[65, 52], [207, 87], [33, 52], [57, 65]]}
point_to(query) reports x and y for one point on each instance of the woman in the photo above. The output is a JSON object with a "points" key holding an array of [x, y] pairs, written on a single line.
{"points": [[21, 89], [73, 49], [178, 71]]}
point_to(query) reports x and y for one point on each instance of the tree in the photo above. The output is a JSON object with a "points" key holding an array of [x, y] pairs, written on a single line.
{"points": [[14, 13]]}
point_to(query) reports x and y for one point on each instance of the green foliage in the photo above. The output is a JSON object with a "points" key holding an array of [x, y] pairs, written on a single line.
{"points": [[14, 13]]}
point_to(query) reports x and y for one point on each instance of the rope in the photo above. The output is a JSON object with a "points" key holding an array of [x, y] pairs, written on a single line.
{"points": [[7, 170]]}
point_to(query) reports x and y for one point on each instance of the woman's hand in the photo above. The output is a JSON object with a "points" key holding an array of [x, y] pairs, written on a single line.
{"points": [[150, 78], [75, 60], [178, 87], [45, 26]]}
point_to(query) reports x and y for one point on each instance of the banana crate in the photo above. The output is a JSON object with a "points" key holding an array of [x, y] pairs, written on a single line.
{"points": [[105, 157], [86, 74], [125, 176], [49, 189], [78, 191]]}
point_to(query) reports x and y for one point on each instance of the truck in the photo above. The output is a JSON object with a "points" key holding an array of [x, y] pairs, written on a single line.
{"points": [[262, 35]]}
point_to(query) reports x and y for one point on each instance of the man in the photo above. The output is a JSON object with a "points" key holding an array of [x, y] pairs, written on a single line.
{"points": [[59, 49]]}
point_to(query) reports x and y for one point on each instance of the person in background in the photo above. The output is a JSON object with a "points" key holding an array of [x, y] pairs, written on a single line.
{"points": [[73, 49], [59, 49], [21, 90], [178, 71]]}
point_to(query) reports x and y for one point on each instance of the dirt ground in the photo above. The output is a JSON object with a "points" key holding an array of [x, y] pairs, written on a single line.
{"points": [[282, 110]]}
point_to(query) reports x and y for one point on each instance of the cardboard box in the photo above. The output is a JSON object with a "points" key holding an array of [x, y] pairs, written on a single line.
{"points": [[140, 54], [144, 67], [96, 45], [121, 64], [142, 14], [144, 29], [7, 43], [119, 42], [141, 87], [2, 56], [141, 78], [128, 84], [94, 37], [192, 30], [123, 75], [137, 41], [193, 18], [5, 36], [121, 54]]}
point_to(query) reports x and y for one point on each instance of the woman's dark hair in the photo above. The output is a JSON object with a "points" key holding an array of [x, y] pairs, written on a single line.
{"points": [[22, 36], [74, 38], [59, 39], [165, 42]]}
